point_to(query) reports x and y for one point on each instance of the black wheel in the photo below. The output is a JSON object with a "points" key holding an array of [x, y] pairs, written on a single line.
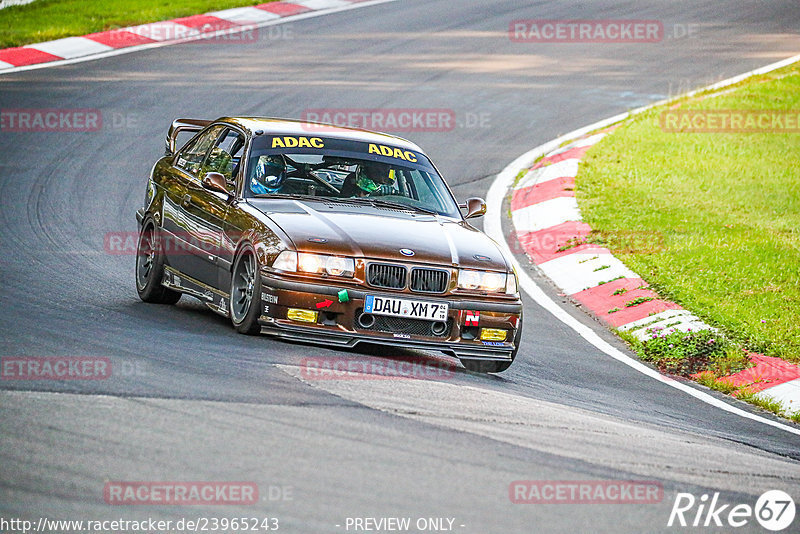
{"points": [[245, 305], [150, 269]]}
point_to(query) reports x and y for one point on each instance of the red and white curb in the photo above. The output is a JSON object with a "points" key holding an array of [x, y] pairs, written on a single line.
{"points": [[548, 225], [8, 3], [216, 24], [775, 378]]}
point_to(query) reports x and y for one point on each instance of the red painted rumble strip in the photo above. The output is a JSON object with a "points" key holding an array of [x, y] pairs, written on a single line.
{"points": [[543, 245], [572, 153], [198, 21], [21, 56], [768, 372], [283, 9], [533, 194], [119, 38], [600, 299], [26, 56]]}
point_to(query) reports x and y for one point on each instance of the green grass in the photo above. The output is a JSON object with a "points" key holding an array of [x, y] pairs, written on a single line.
{"points": [[688, 353], [763, 402], [705, 357], [710, 380], [725, 208], [45, 20]]}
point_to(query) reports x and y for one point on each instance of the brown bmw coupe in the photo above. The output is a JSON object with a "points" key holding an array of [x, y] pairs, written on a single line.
{"points": [[323, 234]]}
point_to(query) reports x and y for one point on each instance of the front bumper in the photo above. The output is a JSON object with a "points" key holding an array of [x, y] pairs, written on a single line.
{"points": [[337, 324]]}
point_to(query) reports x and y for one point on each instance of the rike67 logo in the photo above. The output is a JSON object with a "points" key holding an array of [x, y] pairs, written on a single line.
{"points": [[774, 510]]}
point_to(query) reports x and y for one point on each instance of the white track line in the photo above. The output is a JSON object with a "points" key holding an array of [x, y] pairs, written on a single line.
{"points": [[494, 228], [200, 35]]}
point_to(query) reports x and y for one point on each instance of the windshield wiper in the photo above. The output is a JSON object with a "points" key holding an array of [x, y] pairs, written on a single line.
{"points": [[362, 200], [389, 204], [282, 195]]}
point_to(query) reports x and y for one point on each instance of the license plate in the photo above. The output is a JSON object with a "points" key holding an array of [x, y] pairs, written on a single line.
{"points": [[413, 309]]}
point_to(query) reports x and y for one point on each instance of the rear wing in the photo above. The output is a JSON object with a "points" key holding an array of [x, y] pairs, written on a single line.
{"points": [[182, 125]]}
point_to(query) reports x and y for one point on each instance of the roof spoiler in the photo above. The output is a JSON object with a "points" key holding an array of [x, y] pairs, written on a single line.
{"points": [[182, 125]]}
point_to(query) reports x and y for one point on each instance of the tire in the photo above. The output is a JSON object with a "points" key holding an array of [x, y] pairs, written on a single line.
{"points": [[245, 301], [150, 268], [489, 366]]}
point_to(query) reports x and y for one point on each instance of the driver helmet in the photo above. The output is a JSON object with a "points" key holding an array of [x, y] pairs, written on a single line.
{"points": [[373, 176], [269, 175]]}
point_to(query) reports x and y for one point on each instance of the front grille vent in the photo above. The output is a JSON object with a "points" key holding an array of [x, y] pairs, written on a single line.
{"points": [[429, 280], [385, 275], [412, 327]]}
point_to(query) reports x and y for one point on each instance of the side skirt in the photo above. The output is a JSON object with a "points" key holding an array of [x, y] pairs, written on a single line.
{"points": [[216, 300]]}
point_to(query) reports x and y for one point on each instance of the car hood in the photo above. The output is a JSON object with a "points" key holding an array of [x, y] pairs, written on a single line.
{"points": [[380, 233]]}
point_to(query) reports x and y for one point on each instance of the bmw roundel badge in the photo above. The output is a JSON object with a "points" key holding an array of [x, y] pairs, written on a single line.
{"points": [[406, 252]]}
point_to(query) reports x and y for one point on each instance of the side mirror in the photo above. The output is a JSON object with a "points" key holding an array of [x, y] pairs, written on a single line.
{"points": [[476, 207], [214, 181]]}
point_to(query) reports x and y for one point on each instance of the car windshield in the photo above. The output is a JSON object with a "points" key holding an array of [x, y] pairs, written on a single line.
{"points": [[387, 177]]}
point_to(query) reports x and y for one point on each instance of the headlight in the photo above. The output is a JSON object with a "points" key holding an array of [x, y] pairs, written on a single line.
{"points": [[469, 279], [286, 261], [309, 263], [512, 287], [338, 266], [304, 262], [488, 281]]}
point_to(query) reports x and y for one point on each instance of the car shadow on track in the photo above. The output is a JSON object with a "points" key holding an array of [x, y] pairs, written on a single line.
{"points": [[192, 322]]}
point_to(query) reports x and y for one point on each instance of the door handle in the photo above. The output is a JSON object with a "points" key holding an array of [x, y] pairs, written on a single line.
{"points": [[187, 200]]}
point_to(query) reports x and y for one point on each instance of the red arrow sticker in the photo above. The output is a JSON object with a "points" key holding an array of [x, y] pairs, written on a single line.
{"points": [[324, 304]]}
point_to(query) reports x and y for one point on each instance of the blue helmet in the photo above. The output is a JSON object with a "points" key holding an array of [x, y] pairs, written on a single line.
{"points": [[269, 175]]}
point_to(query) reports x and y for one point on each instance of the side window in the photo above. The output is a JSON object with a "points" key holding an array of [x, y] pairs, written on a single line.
{"points": [[191, 158], [226, 155]]}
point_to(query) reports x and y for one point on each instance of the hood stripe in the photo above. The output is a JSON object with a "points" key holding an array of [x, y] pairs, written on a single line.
{"points": [[454, 257]]}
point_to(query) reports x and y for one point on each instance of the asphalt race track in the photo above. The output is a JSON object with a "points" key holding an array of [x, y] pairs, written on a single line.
{"points": [[196, 401]]}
